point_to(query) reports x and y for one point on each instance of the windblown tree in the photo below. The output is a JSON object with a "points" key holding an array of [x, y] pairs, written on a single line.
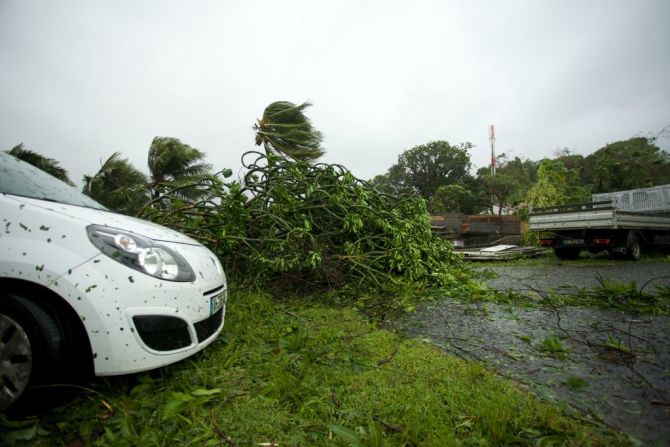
{"points": [[118, 185], [174, 165], [285, 130], [48, 165]]}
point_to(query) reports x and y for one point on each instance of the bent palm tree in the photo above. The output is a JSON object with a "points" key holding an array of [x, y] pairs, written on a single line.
{"points": [[285, 130], [118, 185], [173, 164], [48, 165]]}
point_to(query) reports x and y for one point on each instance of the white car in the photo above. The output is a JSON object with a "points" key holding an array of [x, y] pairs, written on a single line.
{"points": [[83, 289]]}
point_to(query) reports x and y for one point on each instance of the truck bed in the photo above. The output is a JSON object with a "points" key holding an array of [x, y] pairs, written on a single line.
{"points": [[595, 215]]}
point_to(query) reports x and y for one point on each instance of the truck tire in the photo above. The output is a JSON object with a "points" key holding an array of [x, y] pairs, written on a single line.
{"points": [[633, 248], [567, 252]]}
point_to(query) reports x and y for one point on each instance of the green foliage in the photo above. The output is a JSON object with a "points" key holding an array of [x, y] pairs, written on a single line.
{"points": [[616, 344], [553, 346], [48, 165], [626, 297], [285, 130], [296, 224], [295, 374], [508, 187], [118, 186], [178, 167], [528, 238], [423, 169], [555, 185], [450, 199], [576, 383], [175, 168], [500, 188], [633, 163]]}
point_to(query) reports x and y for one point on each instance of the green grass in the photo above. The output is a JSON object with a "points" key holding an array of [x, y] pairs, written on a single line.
{"points": [[298, 374], [552, 345], [576, 383]]}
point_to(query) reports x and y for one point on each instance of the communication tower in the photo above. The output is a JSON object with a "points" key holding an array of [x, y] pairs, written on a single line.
{"points": [[492, 139]]}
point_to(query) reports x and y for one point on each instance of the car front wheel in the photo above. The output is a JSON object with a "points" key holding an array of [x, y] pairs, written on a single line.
{"points": [[30, 346]]}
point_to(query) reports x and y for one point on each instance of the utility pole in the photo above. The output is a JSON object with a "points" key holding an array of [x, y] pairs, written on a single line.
{"points": [[492, 139]]}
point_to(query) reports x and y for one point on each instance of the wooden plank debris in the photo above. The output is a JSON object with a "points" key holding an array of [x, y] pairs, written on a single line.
{"points": [[499, 252]]}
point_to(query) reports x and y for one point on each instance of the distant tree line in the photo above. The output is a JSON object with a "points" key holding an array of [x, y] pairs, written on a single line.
{"points": [[440, 173]]}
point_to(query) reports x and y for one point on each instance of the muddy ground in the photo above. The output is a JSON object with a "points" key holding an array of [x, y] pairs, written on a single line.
{"points": [[613, 367]]}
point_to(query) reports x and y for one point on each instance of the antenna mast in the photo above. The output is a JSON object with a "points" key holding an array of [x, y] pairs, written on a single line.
{"points": [[492, 139]]}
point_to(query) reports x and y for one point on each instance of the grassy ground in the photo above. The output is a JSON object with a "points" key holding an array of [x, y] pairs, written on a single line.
{"points": [[298, 374]]}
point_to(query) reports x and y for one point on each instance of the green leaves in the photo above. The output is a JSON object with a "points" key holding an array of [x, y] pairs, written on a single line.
{"points": [[177, 166], [555, 185], [293, 224], [179, 402], [48, 165], [118, 185], [285, 130], [553, 346], [349, 437]]}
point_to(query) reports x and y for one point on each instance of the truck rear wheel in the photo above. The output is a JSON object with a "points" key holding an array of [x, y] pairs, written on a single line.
{"points": [[633, 248], [567, 252]]}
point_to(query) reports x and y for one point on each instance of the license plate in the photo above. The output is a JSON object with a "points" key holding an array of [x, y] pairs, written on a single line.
{"points": [[217, 302], [573, 241]]}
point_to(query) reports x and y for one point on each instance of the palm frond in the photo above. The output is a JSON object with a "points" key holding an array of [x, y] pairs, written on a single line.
{"points": [[175, 164], [48, 165], [284, 129], [118, 185]]}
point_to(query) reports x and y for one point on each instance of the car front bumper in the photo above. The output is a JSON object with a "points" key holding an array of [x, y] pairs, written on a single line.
{"points": [[136, 322]]}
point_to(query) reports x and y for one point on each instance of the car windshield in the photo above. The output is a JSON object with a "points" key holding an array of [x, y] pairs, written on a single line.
{"points": [[23, 179]]}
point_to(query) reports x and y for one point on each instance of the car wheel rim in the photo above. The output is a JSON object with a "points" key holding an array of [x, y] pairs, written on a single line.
{"points": [[15, 361]]}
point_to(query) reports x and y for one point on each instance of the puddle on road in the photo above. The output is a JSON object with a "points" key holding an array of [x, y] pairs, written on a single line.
{"points": [[609, 365]]}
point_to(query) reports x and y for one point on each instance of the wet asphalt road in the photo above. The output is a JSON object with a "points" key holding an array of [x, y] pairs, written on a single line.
{"points": [[559, 277], [627, 388]]}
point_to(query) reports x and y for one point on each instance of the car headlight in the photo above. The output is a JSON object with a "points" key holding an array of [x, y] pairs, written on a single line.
{"points": [[141, 253]]}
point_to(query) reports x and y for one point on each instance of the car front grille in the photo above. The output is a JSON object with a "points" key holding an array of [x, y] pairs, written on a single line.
{"points": [[205, 328], [162, 333]]}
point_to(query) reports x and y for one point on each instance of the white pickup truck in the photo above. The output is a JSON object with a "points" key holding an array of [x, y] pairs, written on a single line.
{"points": [[620, 222]]}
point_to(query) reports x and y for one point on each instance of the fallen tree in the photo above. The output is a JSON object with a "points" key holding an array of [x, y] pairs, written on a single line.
{"points": [[295, 224]]}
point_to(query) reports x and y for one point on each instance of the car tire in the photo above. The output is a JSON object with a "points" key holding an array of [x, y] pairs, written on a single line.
{"points": [[31, 343]]}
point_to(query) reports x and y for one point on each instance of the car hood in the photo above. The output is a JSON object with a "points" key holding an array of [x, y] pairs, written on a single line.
{"points": [[108, 218]]}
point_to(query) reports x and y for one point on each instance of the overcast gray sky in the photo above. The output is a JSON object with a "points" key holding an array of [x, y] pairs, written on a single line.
{"points": [[82, 79]]}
